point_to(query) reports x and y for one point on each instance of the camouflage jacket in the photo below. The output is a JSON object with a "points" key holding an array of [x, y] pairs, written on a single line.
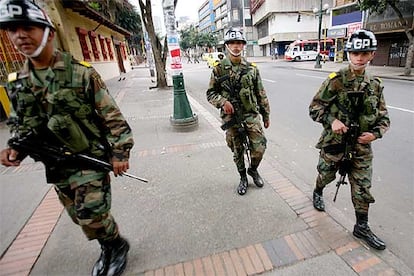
{"points": [[332, 102], [244, 77], [75, 89]]}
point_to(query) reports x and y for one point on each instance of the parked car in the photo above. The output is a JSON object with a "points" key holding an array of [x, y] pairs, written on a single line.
{"points": [[213, 57]]}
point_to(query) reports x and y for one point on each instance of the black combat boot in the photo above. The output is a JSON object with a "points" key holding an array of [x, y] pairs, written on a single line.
{"points": [[257, 179], [242, 188], [113, 259], [318, 203], [362, 231]]}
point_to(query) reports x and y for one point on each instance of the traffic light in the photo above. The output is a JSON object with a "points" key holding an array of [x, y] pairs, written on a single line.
{"points": [[298, 17]]}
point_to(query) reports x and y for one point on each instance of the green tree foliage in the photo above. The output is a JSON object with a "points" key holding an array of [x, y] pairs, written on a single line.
{"points": [[191, 38], [379, 7]]}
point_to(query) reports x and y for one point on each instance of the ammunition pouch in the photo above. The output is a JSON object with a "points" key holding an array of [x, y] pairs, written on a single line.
{"points": [[68, 132]]}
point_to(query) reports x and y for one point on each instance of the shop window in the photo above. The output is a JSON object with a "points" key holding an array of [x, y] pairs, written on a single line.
{"points": [[103, 49], [92, 39], [110, 52], [84, 45]]}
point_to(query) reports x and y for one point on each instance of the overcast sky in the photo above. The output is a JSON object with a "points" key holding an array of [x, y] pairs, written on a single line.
{"points": [[188, 8]]}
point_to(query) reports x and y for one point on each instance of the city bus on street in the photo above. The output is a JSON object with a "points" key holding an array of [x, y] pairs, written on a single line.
{"points": [[307, 49]]}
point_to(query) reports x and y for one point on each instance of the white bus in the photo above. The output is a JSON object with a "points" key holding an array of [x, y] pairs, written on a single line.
{"points": [[307, 49]]}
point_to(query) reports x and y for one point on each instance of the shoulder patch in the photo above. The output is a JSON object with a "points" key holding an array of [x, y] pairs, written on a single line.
{"points": [[86, 64], [216, 63], [12, 77], [333, 75], [378, 79], [253, 64]]}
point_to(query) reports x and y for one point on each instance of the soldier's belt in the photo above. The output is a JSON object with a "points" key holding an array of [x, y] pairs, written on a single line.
{"points": [[334, 149]]}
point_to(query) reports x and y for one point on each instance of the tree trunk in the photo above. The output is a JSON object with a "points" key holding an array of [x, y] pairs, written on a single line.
{"points": [[159, 52], [410, 53]]}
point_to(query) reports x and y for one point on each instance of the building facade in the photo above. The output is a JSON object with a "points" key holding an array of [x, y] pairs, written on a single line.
{"points": [[83, 32]]}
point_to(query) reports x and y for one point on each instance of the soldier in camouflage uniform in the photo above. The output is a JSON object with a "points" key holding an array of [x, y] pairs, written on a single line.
{"points": [[333, 108], [53, 95], [236, 88]]}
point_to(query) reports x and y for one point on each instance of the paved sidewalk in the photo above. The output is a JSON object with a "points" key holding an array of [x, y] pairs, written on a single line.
{"points": [[188, 219]]}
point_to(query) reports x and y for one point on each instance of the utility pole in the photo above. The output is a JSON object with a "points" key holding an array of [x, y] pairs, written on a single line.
{"points": [[183, 118], [320, 12]]}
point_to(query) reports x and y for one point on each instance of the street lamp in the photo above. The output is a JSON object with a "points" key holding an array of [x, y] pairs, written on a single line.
{"points": [[320, 12]]}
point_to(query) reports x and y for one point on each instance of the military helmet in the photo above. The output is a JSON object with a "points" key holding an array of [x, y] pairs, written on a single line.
{"points": [[26, 12], [234, 34], [361, 41]]}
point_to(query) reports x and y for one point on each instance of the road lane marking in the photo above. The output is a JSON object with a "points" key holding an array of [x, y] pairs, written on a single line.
{"points": [[269, 80], [400, 109], [310, 76]]}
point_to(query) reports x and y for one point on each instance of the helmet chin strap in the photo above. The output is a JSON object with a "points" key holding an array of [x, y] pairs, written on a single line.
{"points": [[231, 52], [41, 46], [354, 66]]}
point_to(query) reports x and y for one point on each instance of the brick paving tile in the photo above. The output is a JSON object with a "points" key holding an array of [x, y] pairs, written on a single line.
{"points": [[274, 259], [267, 264], [198, 267], [159, 272], [149, 273], [244, 256], [234, 255], [228, 264], [218, 265], [284, 252], [295, 247], [359, 267], [316, 241], [309, 247], [300, 203], [169, 270], [315, 218], [294, 200], [179, 269], [208, 266], [188, 269], [346, 248], [254, 257], [387, 272], [306, 208], [18, 267]]}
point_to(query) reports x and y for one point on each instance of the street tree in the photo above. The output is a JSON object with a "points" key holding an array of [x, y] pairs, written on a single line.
{"points": [[191, 38], [379, 7], [160, 50]]}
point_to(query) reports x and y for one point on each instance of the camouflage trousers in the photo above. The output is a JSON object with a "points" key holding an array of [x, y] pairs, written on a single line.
{"points": [[89, 206], [359, 176], [257, 140]]}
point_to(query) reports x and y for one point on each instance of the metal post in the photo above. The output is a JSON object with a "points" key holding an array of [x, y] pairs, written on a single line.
{"points": [[318, 57], [182, 118]]}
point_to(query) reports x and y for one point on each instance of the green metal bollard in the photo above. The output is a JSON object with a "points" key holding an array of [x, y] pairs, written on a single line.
{"points": [[183, 117]]}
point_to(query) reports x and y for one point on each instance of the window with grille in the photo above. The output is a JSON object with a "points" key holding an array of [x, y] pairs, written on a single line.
{"points": [[84, 45], [103, 49], [110, 52], [92, 39]]}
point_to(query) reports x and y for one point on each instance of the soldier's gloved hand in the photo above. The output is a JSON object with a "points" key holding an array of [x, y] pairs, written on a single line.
{"points": [[366, 138], [266, 123], [228, 108], [120, 167], [8, 157], [338, 127]]}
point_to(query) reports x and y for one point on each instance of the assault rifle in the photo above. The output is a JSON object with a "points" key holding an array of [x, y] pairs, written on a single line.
{"points": [[350, 137], [54, 156], [237, 118]]}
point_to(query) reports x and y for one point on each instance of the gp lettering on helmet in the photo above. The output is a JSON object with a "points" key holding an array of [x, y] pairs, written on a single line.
{"points": [[22, 12], [234, 35], [17, 11], [361, 41]]}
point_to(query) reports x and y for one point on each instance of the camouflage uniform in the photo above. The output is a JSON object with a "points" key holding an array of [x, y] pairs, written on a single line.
{"points": [[326, 106], [254, 103], [74, 89]]}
